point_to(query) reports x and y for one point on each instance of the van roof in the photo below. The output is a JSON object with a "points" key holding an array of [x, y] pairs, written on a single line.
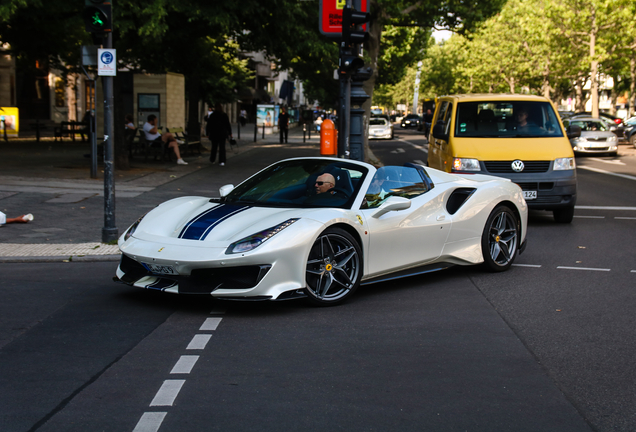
{"points": [[496, 97]]}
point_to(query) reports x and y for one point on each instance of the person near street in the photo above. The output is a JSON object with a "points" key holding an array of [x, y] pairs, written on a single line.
{"points": [[20, 219], [153, 136], [218, 129], [243, 117], [129, 124], [283, 124], [428, 119], [324, 183]]}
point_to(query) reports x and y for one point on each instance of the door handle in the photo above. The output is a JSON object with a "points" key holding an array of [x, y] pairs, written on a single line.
{"points": [[441, 217]]}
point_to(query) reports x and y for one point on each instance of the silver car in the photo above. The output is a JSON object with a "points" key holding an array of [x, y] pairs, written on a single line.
{"points": [[380, 128], [596, 136]]}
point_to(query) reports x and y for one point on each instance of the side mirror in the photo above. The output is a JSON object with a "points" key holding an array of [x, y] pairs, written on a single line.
{"points": [[573, 131], [225, 190], [439, 131], [392, 204]]}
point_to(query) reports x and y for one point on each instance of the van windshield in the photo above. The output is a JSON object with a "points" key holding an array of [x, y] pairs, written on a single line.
{"points": [[509, 119]]}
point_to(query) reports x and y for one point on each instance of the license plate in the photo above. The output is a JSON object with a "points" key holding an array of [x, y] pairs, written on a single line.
{"points": [[530, 195], [160, 269]]}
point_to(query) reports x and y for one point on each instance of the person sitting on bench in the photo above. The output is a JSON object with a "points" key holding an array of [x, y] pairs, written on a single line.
{"points": [[152, 134]]}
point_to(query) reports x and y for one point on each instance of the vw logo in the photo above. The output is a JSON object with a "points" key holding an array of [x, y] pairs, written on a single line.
{"points": [[517, 166]]}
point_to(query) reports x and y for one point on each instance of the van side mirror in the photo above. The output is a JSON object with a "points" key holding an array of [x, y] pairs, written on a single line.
{"points": [[439, 131], [573, 131]]}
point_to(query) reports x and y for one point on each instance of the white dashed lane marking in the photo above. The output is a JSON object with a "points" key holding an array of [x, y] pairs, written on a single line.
{"points": [[167, 393], [199, 342], [583, 268], [185, 364], [528, 265], [150, 422]]}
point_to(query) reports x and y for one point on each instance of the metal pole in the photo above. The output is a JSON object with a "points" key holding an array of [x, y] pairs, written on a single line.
{"points": [[263, 130], [238, 130], [255, 131], [92, 127], [109, 231]]}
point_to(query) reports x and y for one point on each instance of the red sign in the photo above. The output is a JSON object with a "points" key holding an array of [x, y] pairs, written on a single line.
{"points": [[331, 15]]}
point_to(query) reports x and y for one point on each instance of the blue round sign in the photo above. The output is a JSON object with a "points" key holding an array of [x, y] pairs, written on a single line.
{"points": [[107, 58]]}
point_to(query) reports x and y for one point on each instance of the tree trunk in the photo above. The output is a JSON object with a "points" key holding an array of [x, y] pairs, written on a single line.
{"points": [[632, 86], [594, 65], [579, 104], [122, 160], [193, 127], [545, 85], [375, 36]]}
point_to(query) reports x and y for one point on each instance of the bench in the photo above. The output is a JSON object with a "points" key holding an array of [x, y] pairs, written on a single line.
{"points": [[185, 143], [69, 129]]}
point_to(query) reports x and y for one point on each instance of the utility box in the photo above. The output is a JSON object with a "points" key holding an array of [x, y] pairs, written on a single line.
{"points": [[162, 95]]}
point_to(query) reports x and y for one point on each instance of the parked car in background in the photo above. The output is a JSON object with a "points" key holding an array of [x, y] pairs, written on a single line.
{"points": [[412, 120], [614, 118], [629, 132], [596, 136], [565, 114], [380, 128], [616, 129]]}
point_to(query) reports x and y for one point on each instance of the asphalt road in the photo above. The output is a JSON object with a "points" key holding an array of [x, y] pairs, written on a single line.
{"points": [[547, 346]]}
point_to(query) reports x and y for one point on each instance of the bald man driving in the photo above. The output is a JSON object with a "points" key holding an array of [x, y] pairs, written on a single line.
{"points": [[324, 183]]}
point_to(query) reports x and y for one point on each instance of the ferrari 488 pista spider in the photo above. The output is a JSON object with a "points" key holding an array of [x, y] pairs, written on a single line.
{"points": [[286, 232]]}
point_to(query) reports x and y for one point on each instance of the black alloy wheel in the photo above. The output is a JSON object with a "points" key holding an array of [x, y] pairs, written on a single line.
{"points": [[334, 268], [500, 239]]}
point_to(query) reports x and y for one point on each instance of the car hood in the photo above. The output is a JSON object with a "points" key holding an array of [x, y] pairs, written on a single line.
{"points": [[597, 134], [196, 219]]}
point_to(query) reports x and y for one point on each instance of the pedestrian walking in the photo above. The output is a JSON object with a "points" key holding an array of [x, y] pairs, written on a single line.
{"points": [[283, 124], [243, 117], [218, 129]]}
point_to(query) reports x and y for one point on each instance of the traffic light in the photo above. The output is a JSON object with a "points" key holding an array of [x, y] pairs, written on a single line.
{"points": [[98, 16], [351, 20], [350, 63]]}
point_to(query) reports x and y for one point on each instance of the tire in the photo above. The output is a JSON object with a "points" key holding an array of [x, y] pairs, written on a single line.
{"points": [[632, 140], [563, 215], [500, 239], [334, 268]]}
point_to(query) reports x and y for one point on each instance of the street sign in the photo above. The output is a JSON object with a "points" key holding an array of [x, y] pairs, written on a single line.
{"points": [[330, 23], [106, 62]]}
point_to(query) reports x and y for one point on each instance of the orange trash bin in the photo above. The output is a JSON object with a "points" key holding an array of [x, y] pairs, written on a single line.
{"points": [[328, 139]]}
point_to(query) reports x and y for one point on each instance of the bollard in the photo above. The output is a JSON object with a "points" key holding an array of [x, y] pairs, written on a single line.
{"points": [[255, 131], [309, 132], [328, 139], [304, 131], [238, 130], [263, 130]]}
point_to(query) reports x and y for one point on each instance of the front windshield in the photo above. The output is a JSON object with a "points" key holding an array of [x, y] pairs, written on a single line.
{"points": [[377, 122], [302, 184], [506, 119], [591, 125]]}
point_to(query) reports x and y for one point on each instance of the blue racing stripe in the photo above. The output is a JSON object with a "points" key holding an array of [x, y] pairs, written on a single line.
{"points": [[201, 225]]}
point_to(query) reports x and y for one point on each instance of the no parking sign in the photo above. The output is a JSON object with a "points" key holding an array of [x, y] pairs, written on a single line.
{"points": [[106, 62]]}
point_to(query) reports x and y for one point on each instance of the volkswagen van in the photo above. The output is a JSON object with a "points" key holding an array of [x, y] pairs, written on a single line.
{"points": [[519, 137]]}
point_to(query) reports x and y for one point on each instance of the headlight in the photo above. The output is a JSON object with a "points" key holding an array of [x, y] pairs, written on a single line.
{"points": [[132, 228], [562, 164], [461, 164], [612, 139], [255, 240]]}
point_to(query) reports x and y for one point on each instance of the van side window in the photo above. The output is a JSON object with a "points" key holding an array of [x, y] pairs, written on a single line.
{"points": [[444, 116]]}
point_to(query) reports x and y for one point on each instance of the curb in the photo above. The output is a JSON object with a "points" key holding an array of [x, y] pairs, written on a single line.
{"points": [[58, 259]]}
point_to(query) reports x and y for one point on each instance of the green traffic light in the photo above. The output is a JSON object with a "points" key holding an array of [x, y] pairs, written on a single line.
{"points": [[97, 20]]}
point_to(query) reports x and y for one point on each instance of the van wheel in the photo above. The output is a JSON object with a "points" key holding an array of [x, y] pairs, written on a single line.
{"points": [[563, 215]]}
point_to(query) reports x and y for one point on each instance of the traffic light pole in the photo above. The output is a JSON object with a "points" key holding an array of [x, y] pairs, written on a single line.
{"points": [[109, 231]]}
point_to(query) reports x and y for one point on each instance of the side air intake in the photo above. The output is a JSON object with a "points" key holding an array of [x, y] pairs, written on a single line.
{"points": [[458, 198]]}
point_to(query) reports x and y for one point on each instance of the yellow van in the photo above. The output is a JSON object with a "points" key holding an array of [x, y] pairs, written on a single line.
{"points": [[519, 137]]}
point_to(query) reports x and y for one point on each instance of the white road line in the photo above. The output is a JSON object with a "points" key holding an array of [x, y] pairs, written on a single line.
{"points": [[419, 162], [528, 265], [590, 217], [167, 393], [150, 422], [419, 147], [625, 218], [210, 324], [582, 268], [613, 162], [604, 208], [633, 271], [199, 342], [598, 170], [185, 364]]}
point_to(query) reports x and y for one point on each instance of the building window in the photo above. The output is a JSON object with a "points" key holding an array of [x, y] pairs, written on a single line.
{"points": [[60, 90]]}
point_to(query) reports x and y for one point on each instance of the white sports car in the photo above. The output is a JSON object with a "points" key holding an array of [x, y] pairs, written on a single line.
{"points": [[275, 237]]}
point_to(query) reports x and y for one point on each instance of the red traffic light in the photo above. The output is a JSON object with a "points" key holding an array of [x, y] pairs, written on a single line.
{"points": [[351, 19]]}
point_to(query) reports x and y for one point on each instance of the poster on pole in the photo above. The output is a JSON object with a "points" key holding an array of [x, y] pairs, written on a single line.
{"points": [[106, 62], [330, 18], [265, 115]]}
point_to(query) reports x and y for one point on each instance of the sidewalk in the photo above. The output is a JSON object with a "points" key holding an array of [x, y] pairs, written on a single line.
{"points": [[52, 181]]}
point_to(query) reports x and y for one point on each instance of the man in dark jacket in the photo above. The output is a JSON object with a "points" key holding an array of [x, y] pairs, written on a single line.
{"points": [[218, 129]]}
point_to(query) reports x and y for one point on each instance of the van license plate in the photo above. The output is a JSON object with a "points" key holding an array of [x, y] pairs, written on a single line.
{"points": [[530, 195], [160, 269]]}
